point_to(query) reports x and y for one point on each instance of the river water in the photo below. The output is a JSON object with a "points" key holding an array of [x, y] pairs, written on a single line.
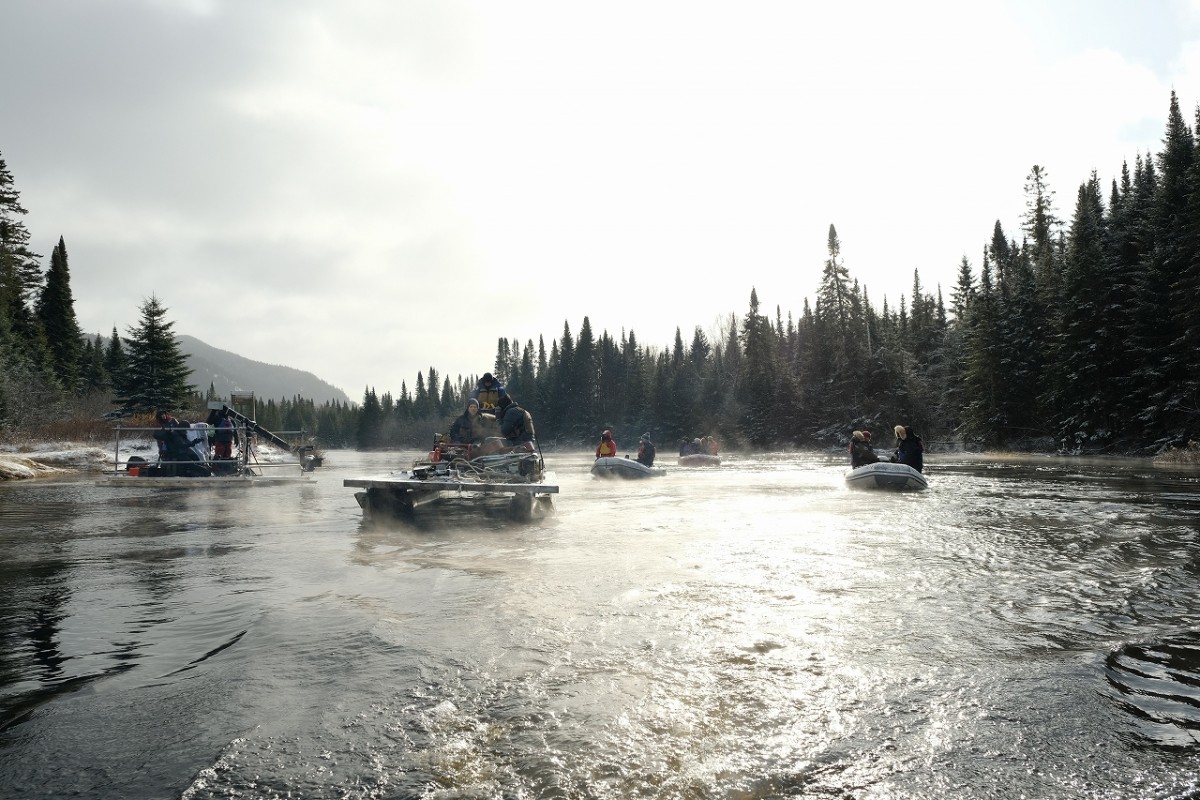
{"points": [[1025, 628]]}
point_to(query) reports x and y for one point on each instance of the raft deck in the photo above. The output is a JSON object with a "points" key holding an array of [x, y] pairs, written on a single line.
{"points": [[199, 481], [402, 492]]}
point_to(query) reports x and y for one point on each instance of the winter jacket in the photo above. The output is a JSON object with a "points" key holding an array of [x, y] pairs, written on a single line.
{"points": [[911, 451], [516, 424], [861, 453], [489, 396], [466, 429], [606, 448]]}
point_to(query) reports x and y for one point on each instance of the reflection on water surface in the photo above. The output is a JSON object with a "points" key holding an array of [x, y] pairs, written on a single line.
{"points": [[1025, 627]]}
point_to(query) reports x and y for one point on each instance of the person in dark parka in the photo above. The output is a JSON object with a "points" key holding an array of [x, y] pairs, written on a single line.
{"points": [[910, 449], [860, 449]]}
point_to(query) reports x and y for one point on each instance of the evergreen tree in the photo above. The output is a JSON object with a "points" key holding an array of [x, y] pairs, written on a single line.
{"points": [[93, 377], [116, 363], [1157, 383], [156, 373], [433, 390], [369, 432], [758, 384], [983, 418], [1041, 227], [26, 274], [422, 409], [27, 356], [586, 389], [56, 313], [1185, 304], [1084, 344]]}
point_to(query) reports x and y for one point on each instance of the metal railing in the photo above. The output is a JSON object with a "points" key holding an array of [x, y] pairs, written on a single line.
{"points": [[244, 460]]}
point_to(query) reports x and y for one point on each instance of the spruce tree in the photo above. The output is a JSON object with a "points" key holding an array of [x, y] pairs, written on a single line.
{"points": [[115, 363], [422, 409], [370, 421], [56, 313], [586, 392], [1156, 383], [26, 276], [1041, 226], [983, 418], [1083, 345], [758, 381], [156, 373], [1185, 304], [92, 375]]}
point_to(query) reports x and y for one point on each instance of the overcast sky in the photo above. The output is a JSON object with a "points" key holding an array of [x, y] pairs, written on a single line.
{"points": [[366, 188]]}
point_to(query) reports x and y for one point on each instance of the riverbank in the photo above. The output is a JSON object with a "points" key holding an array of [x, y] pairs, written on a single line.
{"points": [[48, 459]]}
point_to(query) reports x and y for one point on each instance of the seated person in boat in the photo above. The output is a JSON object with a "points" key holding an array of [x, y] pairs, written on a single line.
{"points": [[516, 425], [646, 451], [710, 445], [488, 392], [910, 449], [467, 427], [175, 446], [607, 447], [860, 449]]}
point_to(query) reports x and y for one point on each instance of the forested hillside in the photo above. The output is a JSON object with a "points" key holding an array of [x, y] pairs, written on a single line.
{"points": [[1080, 334]]}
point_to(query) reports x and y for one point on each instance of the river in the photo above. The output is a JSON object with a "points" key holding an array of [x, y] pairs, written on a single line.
{"points": [[1027, 627]]}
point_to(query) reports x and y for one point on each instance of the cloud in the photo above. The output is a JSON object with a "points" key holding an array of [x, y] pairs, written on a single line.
{"points": [[367, 189]]}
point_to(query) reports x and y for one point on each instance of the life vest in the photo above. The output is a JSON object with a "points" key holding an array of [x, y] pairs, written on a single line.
{"points": [[607, 448], [489, 399]]}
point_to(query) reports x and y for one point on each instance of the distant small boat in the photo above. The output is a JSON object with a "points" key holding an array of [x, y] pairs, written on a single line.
{"points": [[885, 475], [700, 460], [620, 467]]}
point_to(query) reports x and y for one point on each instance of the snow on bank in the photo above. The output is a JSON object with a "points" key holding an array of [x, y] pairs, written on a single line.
{"points": [[48, 459], [51, 458]]}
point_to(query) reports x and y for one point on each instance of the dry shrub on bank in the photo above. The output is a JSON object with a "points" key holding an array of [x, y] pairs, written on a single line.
{"points": [[1180, 455], [78, 420]]}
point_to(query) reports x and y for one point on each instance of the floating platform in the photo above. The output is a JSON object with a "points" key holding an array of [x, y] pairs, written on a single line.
{"points": [[199, 482], [400, 493]]}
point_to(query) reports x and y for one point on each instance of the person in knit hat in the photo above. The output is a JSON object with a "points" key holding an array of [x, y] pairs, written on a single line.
{"points": [[467, 428]]}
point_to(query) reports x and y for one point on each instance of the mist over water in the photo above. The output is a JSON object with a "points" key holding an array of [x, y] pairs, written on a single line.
{"points": [[1027, 627]]}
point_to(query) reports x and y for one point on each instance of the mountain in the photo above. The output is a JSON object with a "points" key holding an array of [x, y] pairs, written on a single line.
{"points": [[230, 372]]}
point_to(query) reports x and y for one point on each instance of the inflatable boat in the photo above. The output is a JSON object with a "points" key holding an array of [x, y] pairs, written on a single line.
{"points": [[621, 467], [884, 475]]}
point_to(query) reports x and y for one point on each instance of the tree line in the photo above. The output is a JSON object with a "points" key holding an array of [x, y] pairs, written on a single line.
{"points": [[1081, 335]]}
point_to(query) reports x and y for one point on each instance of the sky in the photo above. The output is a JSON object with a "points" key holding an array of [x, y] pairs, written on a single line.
{"points": [[365, 189]]}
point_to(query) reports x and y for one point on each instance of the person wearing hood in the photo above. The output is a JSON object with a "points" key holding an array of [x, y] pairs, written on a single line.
{"points": [[910, 449], [607, 447], [860, 449], [516, 424], [467, 427], [646, 450]]}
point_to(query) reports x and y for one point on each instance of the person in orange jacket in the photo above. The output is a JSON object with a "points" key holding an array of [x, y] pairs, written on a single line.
{"points": [[607, 446]]}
